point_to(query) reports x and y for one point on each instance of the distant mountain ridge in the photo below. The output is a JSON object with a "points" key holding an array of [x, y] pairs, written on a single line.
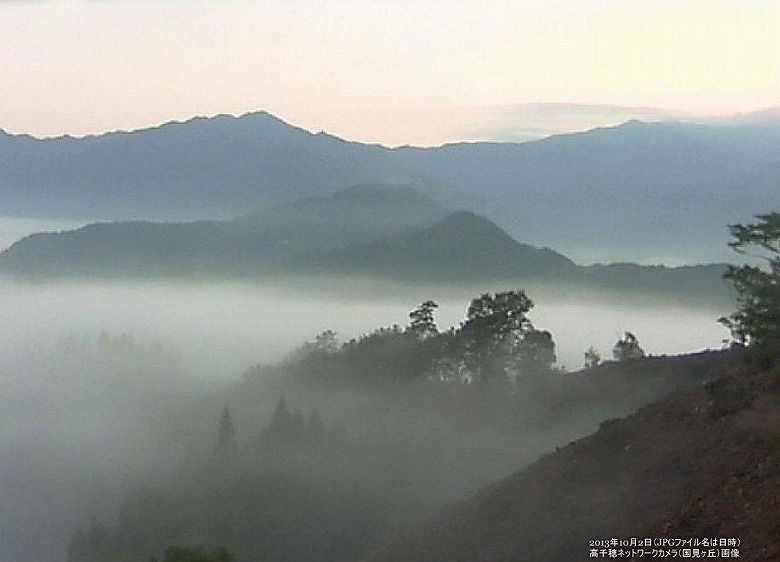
{"points": [[632, 191], [375, 231], [201, 168], [358, 215], [462, 245], [282, 237]]}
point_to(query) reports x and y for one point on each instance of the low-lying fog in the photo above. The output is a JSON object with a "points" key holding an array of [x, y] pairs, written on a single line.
{"points": [[66, 428], [219, 329]]}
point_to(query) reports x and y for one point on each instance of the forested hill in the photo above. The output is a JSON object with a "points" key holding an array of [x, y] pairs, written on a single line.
{"points": [[388, 232], [663, 182]]}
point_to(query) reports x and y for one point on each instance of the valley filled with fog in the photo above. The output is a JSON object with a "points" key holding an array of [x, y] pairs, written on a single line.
{"points": [[92, 371]]}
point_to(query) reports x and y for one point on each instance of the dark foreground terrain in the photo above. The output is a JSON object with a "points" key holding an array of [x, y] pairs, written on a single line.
{"points": [[704, 462]]}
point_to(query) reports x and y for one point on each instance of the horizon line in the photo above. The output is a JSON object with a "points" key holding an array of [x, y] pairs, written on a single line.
{"points": [[682, 117]]}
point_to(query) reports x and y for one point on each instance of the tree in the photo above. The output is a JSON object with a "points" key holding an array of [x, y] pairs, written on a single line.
{"points": [[447, 362], [287, 427], [536, 352], [492, 332], [627, 348], [282, 420], [592, 357], [756, 321], [421, 320], [226, 435], [326, 342]]}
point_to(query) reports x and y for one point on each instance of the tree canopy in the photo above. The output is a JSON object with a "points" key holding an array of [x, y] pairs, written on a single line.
{"points": [[592, 357], [627, 348], [757, 318], [226, 435], [492, 333], [421, 321]]}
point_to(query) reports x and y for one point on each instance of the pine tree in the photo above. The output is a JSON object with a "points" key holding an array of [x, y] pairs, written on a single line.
{"points": [[757, 320], [226, 435], [421, 321], [282, 419]]}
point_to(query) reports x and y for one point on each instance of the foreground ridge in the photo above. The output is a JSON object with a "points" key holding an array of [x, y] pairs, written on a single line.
{"points": [[704, 462]]}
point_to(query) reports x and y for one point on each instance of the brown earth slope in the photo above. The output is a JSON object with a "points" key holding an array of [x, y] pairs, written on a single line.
{"points": [[704, 462]]}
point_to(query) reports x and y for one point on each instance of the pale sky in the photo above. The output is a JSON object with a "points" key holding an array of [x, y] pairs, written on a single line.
{"points": [[392, 71]]}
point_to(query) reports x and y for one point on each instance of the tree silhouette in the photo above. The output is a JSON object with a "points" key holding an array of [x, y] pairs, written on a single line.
{"points": [[491, 334], [327, 341], [226, 435], [592, 357], [536, 352], [757, 320], [282, 419], [421, 320], [627, 348]]}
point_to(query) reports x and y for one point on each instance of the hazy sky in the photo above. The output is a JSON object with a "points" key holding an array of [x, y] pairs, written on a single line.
{"points": [[389, 71]]}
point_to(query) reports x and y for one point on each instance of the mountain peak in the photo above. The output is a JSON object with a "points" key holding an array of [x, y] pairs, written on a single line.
{"points": [[466, 224], [465, 245], [244, 122]]}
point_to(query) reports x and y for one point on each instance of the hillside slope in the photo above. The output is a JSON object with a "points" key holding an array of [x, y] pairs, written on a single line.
{"points": [[704, 462]]}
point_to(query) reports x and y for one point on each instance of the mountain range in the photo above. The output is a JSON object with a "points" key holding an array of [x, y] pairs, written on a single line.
{"points": [[639, 191], [374, 231]]}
